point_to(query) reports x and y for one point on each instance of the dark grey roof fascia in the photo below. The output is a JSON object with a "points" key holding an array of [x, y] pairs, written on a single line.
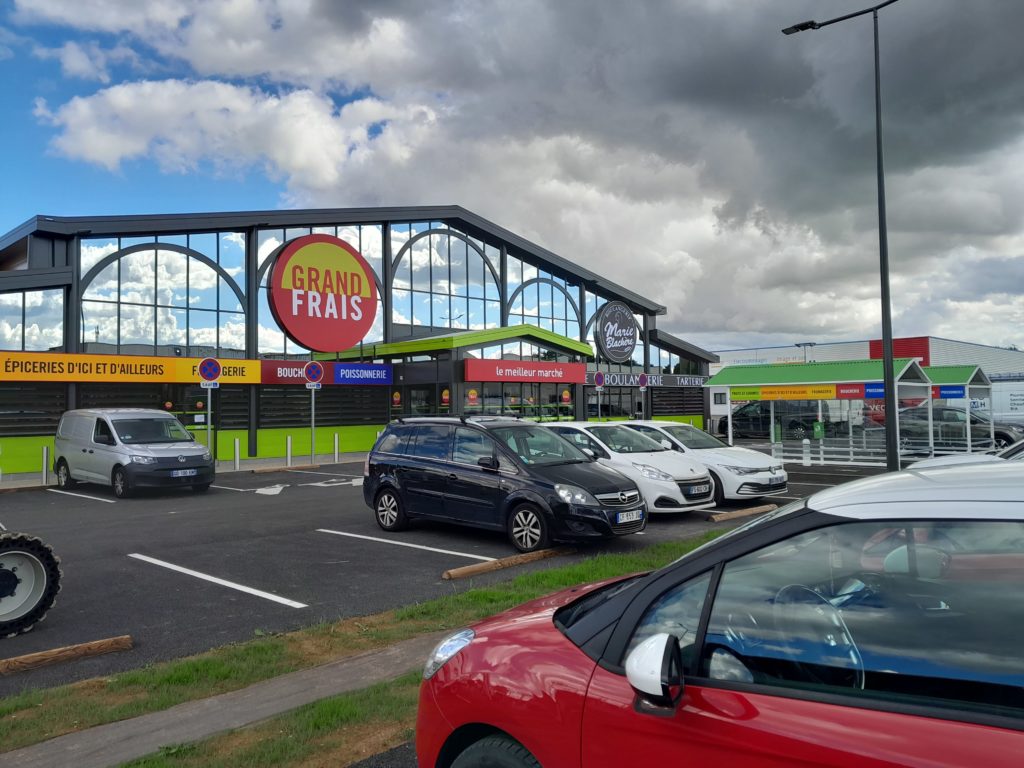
{"points": [[474, 225], [680, 347]]}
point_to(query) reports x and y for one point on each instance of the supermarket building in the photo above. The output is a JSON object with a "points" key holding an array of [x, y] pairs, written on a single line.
{"points": [[420, 310]]}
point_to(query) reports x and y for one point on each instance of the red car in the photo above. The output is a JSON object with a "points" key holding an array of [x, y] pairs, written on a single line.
{"points": [[813, 636]]}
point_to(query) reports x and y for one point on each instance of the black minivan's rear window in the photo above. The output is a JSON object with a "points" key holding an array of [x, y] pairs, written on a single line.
{"points": [[395, 440]]}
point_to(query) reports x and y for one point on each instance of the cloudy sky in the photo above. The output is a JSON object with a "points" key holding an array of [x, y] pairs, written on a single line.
{"points": [[684, 148]]}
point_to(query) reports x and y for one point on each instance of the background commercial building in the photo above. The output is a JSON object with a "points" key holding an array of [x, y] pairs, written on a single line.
{"points": [[120, 310]]}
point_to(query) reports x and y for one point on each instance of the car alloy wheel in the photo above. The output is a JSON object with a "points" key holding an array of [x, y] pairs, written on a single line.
{"points": [[528, 529], [64, 475], [388, 511], [122, 487]]}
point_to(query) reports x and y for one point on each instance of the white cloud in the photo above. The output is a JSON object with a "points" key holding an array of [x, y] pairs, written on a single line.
{"points": [[723, 171]]}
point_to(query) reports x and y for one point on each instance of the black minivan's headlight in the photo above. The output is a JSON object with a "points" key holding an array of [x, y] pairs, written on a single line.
{"points": [[573, 494]]}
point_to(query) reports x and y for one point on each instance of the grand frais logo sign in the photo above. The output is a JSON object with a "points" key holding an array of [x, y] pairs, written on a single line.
{"points": [[615, 332], [322, 293]]}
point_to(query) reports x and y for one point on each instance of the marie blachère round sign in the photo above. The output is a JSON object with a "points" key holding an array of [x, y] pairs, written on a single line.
{"points": [[322, 293]]}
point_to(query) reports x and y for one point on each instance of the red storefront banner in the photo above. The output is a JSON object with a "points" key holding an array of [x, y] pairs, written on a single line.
{"points": [[849, 391], [282, 371], [525, 370]]}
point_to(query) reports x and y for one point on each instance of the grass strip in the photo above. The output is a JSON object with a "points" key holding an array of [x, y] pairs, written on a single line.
{"points": [[337, 731], [38, 715]]}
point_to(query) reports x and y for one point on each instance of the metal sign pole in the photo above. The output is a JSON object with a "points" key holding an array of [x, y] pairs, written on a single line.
{"points": [[209, 420], [312, 426]]}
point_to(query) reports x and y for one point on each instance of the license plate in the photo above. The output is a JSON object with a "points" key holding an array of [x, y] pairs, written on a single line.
{"points": [[184, 472], [629, 517], [700, 488]]}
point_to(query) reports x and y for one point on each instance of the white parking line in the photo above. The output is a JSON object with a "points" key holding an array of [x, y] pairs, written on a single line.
{"points": [[329, 474], [83, 496], [404, 544], [222, 582], [226, 488]]}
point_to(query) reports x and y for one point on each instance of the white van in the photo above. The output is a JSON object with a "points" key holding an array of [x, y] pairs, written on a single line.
{"points": [[127, 448]]}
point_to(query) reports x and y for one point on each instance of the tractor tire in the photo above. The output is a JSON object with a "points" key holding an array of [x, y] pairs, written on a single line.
{"points": [[29, 582]]}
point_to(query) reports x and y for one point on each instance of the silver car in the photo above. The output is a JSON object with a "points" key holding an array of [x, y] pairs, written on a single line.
{"points": [[128, 448]]}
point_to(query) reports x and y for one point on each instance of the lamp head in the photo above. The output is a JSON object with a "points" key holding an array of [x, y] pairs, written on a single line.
{"points": [[801, 27]]}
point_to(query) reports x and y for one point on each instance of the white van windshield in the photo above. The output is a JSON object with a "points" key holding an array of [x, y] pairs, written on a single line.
{"points": [[136, 431]]}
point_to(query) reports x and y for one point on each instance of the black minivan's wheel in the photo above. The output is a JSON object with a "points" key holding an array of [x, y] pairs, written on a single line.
{"points": [[528, 529], [389, 512], [496, 752], [29, 582], [122, 485], [64, 479], [797, 431]]}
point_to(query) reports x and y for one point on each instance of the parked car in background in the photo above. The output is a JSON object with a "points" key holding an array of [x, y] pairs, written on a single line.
{"points": [[949, 428], [870, 624], [795, 418], [669, 481], [499, 474], [1013, 452], [738, 473], [129, 448]]}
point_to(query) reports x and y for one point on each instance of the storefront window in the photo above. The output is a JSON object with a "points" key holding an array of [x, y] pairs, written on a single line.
{"points": [[32, 320]]}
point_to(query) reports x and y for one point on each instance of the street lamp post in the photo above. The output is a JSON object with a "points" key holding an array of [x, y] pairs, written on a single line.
{"points": [[804, 345], [892, 457]]}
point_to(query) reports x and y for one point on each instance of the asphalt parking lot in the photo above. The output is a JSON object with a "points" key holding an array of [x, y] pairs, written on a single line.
{"points": [[259, 553]]}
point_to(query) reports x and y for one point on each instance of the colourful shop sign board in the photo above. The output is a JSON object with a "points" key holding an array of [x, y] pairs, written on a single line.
{"points": [[322, 293], [856, 391], [525, 370], [136, 369], [120, 369]]}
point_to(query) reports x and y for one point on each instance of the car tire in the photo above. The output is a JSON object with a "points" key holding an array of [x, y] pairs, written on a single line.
{"points": [[1002, 441], [201, 487], [719, 491], [528, 528], [389, 511], [64, 479], [797, 431], [495, 752], [29, 582], [120, 482]]}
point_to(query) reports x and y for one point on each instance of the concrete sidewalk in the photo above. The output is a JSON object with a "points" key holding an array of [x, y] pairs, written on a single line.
{"points": [[116, 743]]}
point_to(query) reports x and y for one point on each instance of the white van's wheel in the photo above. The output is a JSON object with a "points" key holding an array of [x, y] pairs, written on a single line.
{"points": [[29, 582], [64, 479], [122, 485]]}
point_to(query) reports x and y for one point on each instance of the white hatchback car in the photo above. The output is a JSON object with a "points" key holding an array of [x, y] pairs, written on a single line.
{"points": [[739, 473], [668, 481]]}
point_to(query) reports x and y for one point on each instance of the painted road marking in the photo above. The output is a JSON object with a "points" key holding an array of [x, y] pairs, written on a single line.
{"points": [[271, 490], [222, 582], [334, 483], [404, 544], [226, 488], [820, 485], [83, 496], [329, 474]]}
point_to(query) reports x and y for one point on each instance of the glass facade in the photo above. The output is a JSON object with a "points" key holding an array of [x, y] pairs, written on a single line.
{"points": [[175, 296], [32, 321]]}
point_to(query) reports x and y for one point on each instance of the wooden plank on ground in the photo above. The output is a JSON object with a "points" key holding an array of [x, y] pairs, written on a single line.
{"points": [[67, 653], [717, 517], [504, 562]]}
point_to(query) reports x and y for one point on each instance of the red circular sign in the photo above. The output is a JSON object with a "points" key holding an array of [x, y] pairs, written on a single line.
{"points": [[313, 371], [322, 293], [209, 369]]}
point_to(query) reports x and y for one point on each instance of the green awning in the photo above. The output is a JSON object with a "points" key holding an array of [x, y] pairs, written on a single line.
{"points": [[905, 370], [481, 338], [957, 375]]}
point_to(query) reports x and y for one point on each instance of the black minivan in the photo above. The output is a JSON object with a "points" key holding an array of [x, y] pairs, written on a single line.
{"points": [[501, 474]]}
